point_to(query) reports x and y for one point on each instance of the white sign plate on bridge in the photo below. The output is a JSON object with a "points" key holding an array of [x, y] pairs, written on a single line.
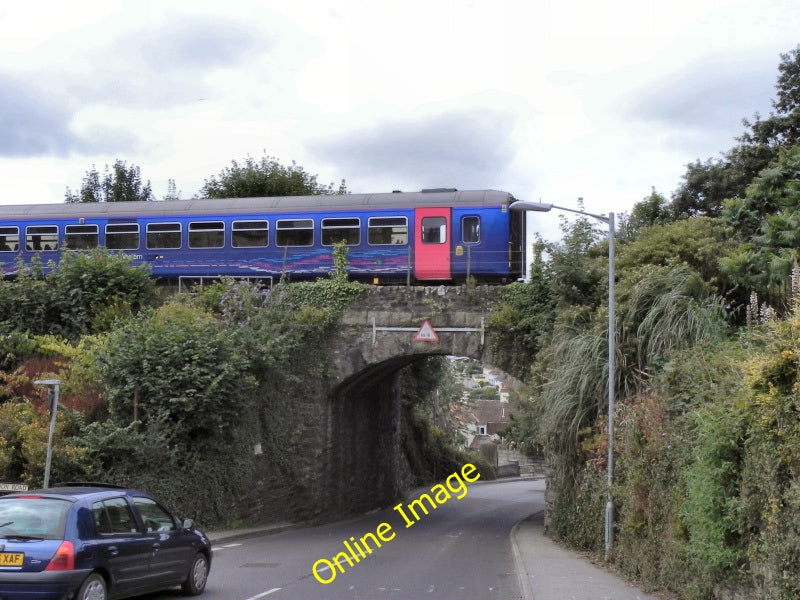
{"points": [[426, 333], [13, 487]]}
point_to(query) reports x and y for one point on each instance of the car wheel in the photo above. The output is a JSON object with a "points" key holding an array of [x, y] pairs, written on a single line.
{"points": [[198, 575], [93, 588]]}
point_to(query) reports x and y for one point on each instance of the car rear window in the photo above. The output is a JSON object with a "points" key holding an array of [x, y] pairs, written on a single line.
{"points": [[34, 517]]}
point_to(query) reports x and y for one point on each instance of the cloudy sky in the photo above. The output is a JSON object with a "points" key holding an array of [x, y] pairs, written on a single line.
{"points": [[549, 100]]}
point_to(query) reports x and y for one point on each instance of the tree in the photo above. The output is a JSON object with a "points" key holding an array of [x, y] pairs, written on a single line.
{"points": [[697, 242], [578, 264], [652, 210], [172, 191], [266, 177], [706, 185], [782, 128], [521, 324], [119, 183], [768, 221]]}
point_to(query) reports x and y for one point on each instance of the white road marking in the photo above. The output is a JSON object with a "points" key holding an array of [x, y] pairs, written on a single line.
{"points": [[233, 545], [267, 593], [327, 568]]}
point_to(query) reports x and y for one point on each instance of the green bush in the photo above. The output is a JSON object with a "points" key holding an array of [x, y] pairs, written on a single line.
{"points": [[86, 292], [713, 480], [179, 369], [708, 471]]}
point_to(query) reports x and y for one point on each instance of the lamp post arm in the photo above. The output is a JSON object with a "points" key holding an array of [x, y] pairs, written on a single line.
{"points": [[529, 205], [608, 220]]}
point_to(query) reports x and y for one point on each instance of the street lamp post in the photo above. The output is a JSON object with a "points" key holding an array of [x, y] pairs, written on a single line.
{"points": [[54, 385], [527, 205]]}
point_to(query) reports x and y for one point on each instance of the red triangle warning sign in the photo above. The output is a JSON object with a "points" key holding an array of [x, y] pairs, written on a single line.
{"points": [[426, 333]]}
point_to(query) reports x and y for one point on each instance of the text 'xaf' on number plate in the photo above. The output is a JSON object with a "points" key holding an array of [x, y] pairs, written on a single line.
{"points": [[11, 559]]}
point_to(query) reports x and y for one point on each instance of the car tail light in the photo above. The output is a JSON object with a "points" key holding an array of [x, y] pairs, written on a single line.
{"points": [[63, 559]]}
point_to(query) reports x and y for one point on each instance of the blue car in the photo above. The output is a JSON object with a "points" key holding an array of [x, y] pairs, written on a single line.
{"points": [[95, 542]]}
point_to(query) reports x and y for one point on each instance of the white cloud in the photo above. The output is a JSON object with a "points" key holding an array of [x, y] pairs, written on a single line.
{"points": [[550, 100]]}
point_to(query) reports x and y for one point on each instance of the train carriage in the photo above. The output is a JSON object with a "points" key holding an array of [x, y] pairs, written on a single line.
{"points": [[428, 236]]}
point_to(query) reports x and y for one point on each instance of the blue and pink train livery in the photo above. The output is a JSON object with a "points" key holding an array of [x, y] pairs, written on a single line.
{"points": [[433, 235]]}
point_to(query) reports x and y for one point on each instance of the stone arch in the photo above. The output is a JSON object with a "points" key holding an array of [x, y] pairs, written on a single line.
{"points": [[380, 328], [363, 455], [348, 455]]}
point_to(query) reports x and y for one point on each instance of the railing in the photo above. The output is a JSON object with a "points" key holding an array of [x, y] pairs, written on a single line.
{"points": [[185, 280]]}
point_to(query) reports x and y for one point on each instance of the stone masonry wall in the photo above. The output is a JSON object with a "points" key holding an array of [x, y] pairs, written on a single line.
{"points": [[340, 450]]}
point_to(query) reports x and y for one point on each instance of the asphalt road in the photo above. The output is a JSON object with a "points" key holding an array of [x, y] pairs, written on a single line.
{"points": [[459, 550]]}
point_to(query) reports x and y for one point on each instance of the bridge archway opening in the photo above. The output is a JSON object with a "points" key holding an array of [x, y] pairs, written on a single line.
{"points": [[366, 464]]}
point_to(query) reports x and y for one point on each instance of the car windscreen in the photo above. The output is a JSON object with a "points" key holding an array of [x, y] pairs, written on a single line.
{"points": [[33, 517]]}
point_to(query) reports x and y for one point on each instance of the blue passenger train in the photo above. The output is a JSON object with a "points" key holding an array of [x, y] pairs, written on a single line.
{"points": [[439, 235]]}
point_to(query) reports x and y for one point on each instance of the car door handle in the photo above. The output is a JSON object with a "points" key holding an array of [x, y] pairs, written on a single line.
{"points": [[156, 547], [113, 551]]}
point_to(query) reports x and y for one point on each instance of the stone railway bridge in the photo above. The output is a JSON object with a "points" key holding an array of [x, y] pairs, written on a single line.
{"points": [[366, 445], [393, 326], [356, 442]]}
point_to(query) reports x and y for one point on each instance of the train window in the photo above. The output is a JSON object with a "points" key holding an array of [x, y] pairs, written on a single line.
{"points": [[41, 237], [207, 234], [122, 236], [387, 230], [9, 239], [163, 235], [81, 237], [250, 234], [471, 230], [294, 232], [341, 230], [434, 230]]}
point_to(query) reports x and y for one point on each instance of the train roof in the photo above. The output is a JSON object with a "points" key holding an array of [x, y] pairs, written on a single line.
{"points": [[263, 204]]}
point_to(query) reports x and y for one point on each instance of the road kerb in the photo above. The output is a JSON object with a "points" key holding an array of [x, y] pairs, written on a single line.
{"points": [[519, 562]]}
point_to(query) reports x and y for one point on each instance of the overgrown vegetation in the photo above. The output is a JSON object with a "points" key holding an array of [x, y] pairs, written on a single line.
{"points": [[186, 388], [163, 392], [87, 293], [707, 432]]}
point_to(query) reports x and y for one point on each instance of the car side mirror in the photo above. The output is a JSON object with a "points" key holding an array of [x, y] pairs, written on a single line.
{"points": [[187, 523]]}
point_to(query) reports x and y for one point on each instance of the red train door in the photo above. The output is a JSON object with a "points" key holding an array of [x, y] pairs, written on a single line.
{"points": [[432, 243]]}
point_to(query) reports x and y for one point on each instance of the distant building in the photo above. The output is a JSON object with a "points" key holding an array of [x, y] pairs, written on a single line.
{"points": [[479, 420]]}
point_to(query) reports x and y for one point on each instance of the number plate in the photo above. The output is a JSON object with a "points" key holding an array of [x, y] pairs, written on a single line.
{"points": [[11, 559]]}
